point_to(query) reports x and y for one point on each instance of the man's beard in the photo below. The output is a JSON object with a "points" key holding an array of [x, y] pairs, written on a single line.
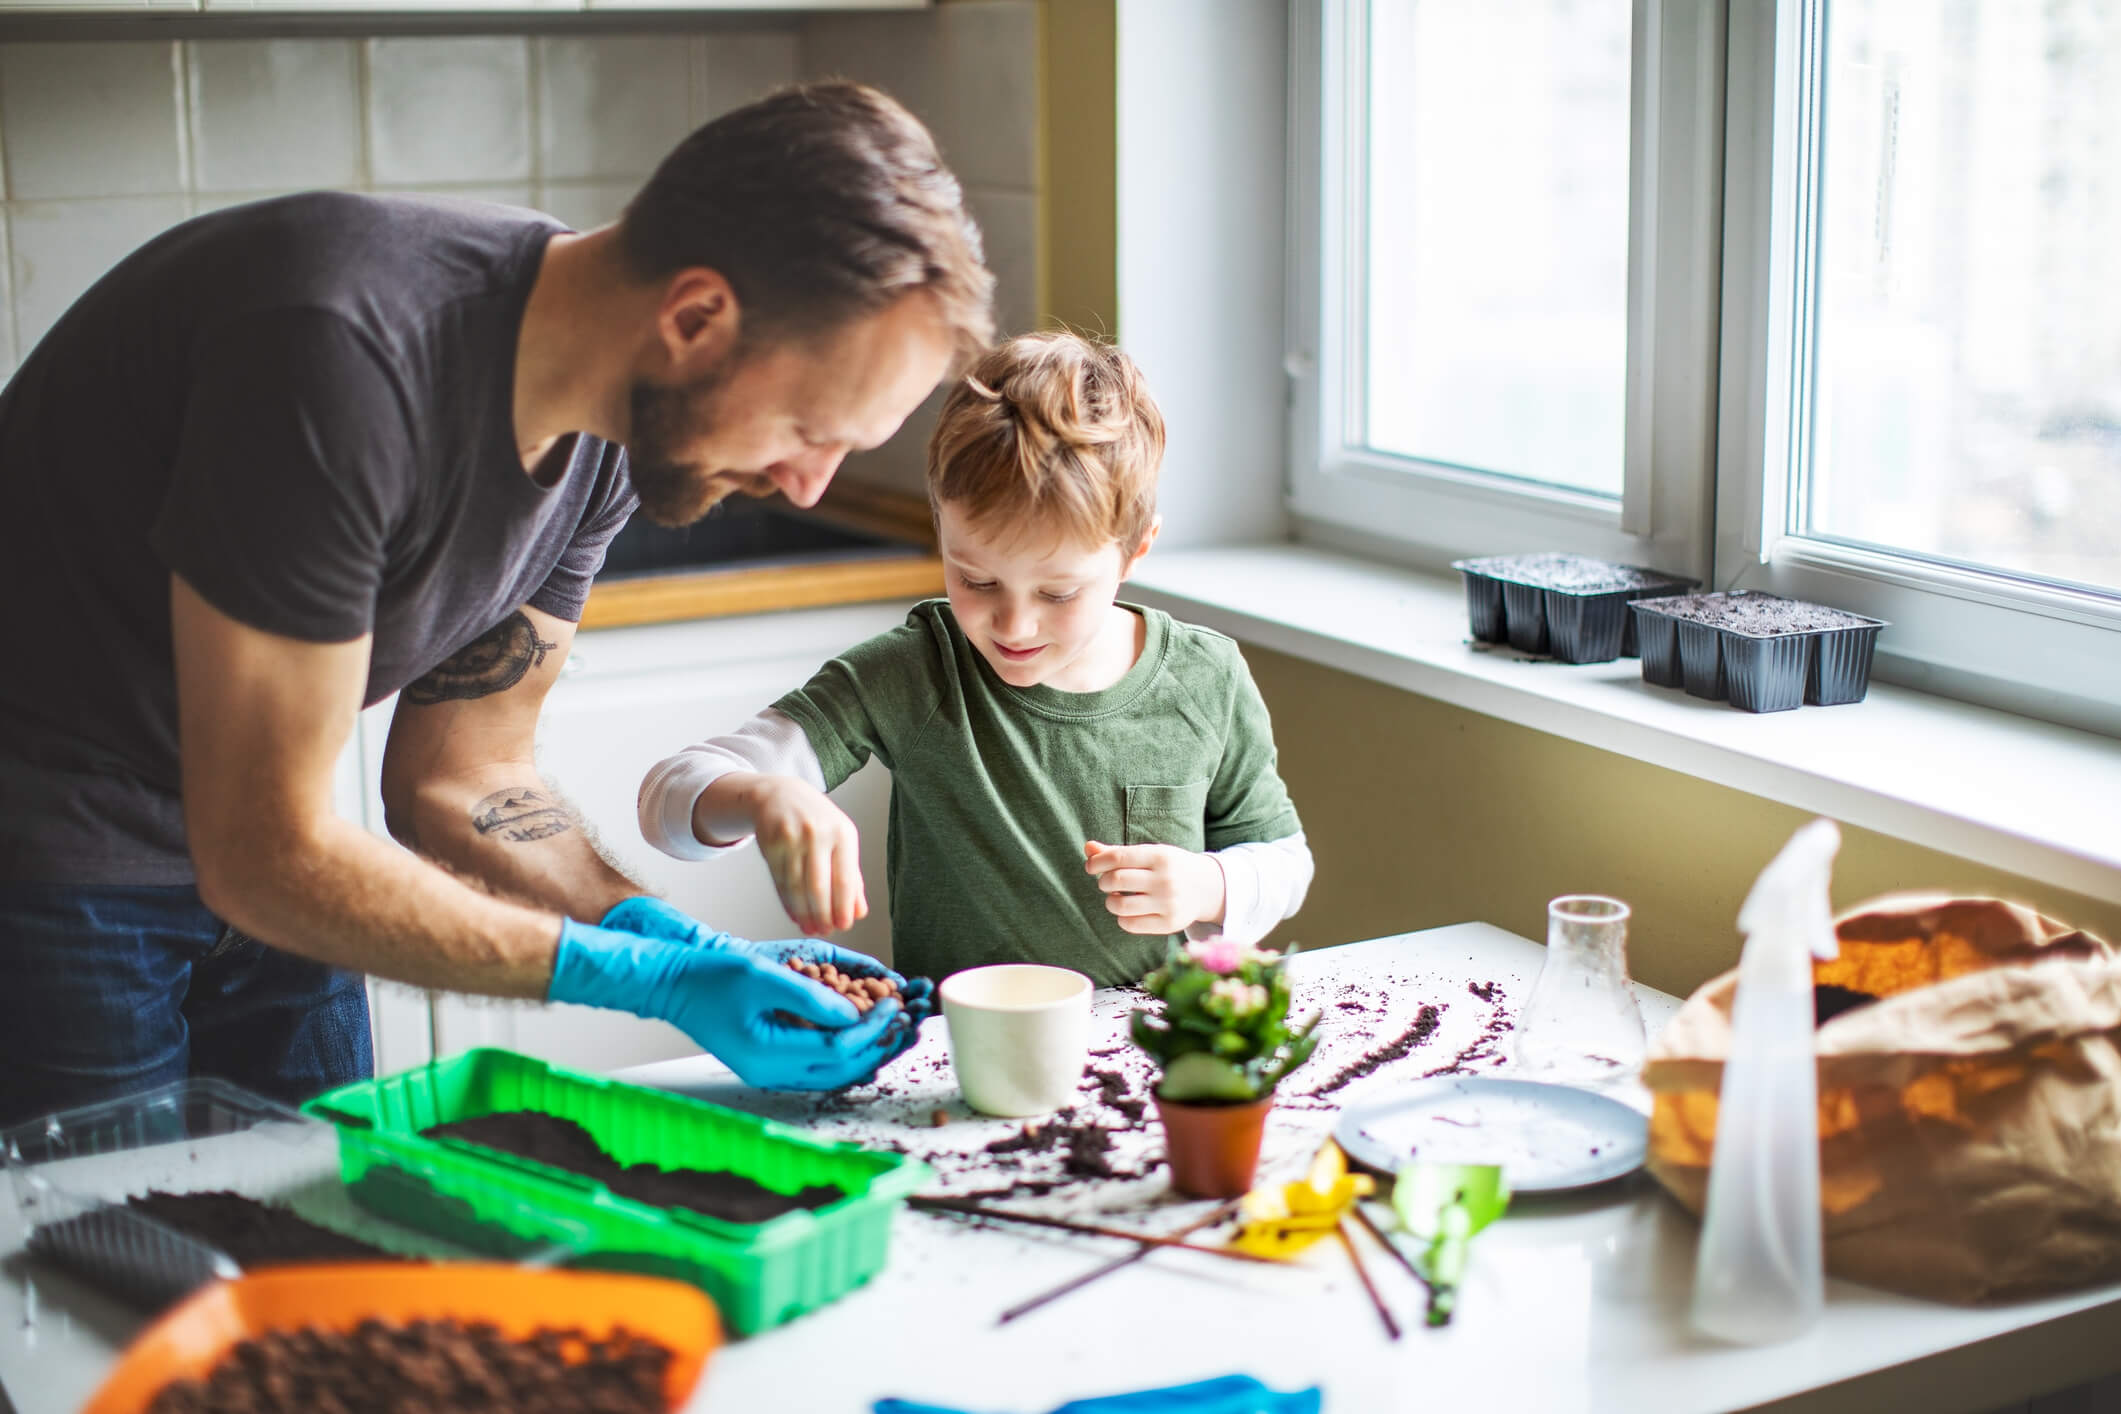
{"points": [[675, 493]]}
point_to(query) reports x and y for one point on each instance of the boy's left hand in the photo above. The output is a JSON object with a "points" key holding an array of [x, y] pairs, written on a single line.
{"points": [[1156, 888]]}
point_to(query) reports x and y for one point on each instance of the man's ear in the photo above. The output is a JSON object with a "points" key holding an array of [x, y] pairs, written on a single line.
{"points": [[1148, 539], [698, 321]]}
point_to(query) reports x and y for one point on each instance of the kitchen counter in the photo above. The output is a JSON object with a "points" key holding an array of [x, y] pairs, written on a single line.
{"points": [[860, 543], [1571, 1304]]}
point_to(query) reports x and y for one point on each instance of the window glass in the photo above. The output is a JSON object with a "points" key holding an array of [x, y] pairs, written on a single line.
{"points": [[1967, 373], [1496, 251]]}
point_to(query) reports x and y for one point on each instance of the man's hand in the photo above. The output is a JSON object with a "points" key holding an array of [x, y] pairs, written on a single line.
{"points": [[739, 1000], [1156, 888], [812, 849]]}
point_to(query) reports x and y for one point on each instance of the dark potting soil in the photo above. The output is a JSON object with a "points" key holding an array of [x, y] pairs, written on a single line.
{"points": [[1398, 1048], [252, 1234], [1085, 1147], [549, 1139], [1575, 574], [1487, 1046], [1113, 1090], [1830, 1000], [1761, 615], [431, 1366]]}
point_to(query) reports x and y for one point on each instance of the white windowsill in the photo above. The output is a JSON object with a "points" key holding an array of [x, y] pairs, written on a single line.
{"points": [[2034, 799]]}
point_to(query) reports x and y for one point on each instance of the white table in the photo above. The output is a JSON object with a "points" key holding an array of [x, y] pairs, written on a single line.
{"points": [[1570, 1305]]}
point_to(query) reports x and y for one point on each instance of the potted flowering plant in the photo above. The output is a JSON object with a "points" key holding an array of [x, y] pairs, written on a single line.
{"points": [[1224, 1041]]}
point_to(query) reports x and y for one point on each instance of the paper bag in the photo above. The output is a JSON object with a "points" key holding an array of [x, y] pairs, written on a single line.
{"points": [[1969, 1119]]}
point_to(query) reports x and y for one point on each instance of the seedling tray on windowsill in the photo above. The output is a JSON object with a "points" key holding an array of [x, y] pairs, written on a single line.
{"points": [[1761, 652], [758, 1274], [1570, 606]]}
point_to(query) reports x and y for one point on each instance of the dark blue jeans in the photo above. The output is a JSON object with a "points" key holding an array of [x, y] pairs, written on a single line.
{"points": [[109, 990]]}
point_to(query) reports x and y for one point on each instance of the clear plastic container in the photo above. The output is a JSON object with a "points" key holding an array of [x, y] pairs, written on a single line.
{"points": [[1758, 1274], [71, 1174]]}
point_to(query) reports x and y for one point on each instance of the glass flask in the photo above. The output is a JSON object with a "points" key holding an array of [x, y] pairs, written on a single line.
{"points": [[1580, 1025]]}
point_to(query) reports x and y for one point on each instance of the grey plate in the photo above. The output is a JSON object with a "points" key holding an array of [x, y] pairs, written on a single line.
{"points": [[1548, 1138]]}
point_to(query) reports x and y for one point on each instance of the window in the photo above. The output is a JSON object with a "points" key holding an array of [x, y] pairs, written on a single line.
{"points": [[1922, 336], [1968, 289], [1496, 254], [1504, 336], [1815, 296]]}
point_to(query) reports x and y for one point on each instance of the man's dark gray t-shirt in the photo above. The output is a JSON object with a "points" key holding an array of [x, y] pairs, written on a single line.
{"points": [[305, 408]]}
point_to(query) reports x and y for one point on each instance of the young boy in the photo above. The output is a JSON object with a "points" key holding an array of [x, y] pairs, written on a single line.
{"points": [[1074, 779]]}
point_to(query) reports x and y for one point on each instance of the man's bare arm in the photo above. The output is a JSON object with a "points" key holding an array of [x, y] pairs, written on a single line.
{"points": [[460, 784], [262, 720]]}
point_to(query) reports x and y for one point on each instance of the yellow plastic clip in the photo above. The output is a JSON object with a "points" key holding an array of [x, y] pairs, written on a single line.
{"points": [[1281, 1220]]}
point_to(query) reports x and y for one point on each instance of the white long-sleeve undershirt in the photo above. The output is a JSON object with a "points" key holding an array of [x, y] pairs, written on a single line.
{"points": [[1263, 881]]}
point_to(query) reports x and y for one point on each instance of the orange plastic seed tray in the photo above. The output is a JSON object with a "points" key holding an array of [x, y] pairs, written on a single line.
{"points": [[192, 1339]]}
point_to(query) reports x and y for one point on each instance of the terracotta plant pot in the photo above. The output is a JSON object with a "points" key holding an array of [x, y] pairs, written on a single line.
{"points": [[1213, 1148]]}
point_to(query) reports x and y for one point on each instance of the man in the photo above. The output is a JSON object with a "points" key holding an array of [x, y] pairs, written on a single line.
{"points": [[290, 458]]}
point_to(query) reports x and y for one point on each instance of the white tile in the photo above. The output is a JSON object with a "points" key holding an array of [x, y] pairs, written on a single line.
{"points": [[8, 360], [1008, 223], [611, 105], [269, 114], [90, 119], [491, 193], [205, 203], [898, 53], [735, 67], [901, 464], [449, 110], [585, 205], [988, 68], [60, 248]]}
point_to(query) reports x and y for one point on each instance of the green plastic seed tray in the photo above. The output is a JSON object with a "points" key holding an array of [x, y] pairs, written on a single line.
{"points": [[759, 1274]]}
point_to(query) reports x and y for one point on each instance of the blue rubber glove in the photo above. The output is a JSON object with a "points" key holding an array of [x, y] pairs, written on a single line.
{"points": [[740, 1005], [653, 918]]}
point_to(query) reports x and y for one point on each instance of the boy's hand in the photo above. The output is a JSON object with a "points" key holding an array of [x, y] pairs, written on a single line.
{"points": [[1156, 888], [814, 851]]}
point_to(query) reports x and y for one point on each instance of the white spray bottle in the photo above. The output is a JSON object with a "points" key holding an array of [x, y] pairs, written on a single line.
{"points": [[1757, 1276]]}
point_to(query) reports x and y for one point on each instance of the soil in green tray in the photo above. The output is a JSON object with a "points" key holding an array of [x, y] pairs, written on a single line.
{"points": [[549, 1139]]}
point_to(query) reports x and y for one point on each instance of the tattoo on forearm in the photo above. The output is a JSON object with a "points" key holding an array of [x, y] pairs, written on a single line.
{"points": [[493, 662], [522, 815]]}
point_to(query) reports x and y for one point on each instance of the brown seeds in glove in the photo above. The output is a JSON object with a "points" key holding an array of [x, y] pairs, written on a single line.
{"points": [[863, 992]]}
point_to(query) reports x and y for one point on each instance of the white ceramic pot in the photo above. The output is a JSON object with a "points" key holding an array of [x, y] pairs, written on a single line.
{"points": [[1019, 1036]]}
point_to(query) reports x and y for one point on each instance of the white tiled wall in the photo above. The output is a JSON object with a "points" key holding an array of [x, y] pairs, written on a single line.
{"points": [[105, 143], [970, 71]]}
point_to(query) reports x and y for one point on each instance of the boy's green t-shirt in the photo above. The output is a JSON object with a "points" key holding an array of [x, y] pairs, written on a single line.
{"points": [[994, 789]]}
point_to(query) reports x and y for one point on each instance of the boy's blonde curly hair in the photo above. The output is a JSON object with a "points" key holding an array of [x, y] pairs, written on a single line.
{"points": [[1051, 433]]}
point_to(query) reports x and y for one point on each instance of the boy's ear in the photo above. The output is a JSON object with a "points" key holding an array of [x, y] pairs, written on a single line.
{"points": [[1148, 539]]}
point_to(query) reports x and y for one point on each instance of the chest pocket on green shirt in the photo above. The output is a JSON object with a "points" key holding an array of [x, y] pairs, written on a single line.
{"points": [[1172, 815]]}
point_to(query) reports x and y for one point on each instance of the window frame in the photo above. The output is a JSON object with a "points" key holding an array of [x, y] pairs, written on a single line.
{"points": [[1341, 491], [1989, 637], [1725, 101]]}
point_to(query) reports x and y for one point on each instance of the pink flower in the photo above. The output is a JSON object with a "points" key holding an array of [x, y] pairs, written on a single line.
{"points": [[1220, 955]]}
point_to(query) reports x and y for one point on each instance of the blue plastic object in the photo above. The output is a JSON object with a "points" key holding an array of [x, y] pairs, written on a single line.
{"points": [[1229, 1394]]}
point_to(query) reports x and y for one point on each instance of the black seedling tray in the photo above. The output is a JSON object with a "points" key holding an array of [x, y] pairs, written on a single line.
{"points": [[1570, 606], [1819, 655]]}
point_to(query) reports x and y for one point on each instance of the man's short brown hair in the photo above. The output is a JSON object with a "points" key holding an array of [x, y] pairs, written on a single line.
{"points": [[1051, 433], [820, 203]]}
